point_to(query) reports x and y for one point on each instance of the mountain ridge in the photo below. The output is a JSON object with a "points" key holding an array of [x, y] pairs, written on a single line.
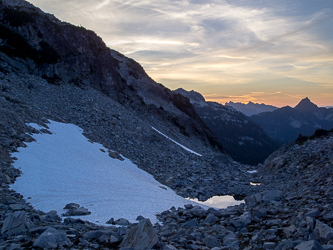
{"points": [[251, 108], [244, 140], [285, 124]]}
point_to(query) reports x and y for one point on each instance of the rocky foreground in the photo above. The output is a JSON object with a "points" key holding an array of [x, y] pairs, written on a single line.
{"points": [[292, 209]]}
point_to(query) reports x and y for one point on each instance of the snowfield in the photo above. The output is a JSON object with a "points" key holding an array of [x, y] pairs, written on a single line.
{"points": [[64, 167]]}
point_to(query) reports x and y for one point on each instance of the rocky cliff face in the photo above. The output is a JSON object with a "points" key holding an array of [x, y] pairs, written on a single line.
{"points": [[285, 124], [244, 140]]}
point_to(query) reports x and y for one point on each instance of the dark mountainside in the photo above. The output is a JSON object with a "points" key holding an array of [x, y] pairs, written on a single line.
{"points": [[54, 70], [59, 52], [245, 141], [251, 108], [285, 124]]}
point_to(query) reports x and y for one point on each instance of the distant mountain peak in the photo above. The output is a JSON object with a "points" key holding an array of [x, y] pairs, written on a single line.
{"points": [[306, 105], [251, 108]]}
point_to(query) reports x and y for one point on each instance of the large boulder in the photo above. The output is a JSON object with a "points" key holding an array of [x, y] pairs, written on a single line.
{"points": [[323, 231], [141, 236], [309, 245], [272, 195], [15, 224], [75, 210], [52, 238]]}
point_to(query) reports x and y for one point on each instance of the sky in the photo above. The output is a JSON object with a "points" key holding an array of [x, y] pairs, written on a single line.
{"points": [[265, 51]]}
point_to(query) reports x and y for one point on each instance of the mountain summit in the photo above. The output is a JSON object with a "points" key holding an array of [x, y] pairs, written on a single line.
{"points": [[305, 105], [285, 124]]}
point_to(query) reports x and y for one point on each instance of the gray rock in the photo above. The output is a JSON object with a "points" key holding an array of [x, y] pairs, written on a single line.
{"points": [[141, 236], [15, 223], [169, 247], [94, 235], [273, 195], [324, 232], [211, 219], [16, 207], [288, 231], [313, 213], [140, 218], [310, 222], [197, 211], [238, 223], [253, 199], [52, 216], [5, 179], [52, 238], [71, 206], [269, 245], [77, 211], [188, 206], [121, 222], [286, 244], [211, 241], [327, 247], [273, 222], [309, 245], [191, 223], [111, 221]]}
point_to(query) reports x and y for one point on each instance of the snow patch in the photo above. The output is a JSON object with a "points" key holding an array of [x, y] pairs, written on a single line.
{"points": [[296, 124], [187, 149], [63, 167]]}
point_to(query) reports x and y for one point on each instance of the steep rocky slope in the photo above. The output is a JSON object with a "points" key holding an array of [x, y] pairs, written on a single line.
{"points": [[244, 140], [33, 42], [285, 124]]}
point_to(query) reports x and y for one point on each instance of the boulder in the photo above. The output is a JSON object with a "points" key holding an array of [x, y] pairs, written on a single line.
{"points": [[191, 223], [324, 232], [253, 199], [141, 236], [52, 238], [309, 245], [75, 210], [15, 224], [121, 222], [269, 245], [210, 219], [288, 231], [273, 195], [211, 241]]}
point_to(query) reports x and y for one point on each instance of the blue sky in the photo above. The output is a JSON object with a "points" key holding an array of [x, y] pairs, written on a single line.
{"points": [[270, 51]]}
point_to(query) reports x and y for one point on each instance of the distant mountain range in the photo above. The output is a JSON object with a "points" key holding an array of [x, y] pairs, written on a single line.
{"points": [[285, 124], [244, 140], [251, 108]]}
